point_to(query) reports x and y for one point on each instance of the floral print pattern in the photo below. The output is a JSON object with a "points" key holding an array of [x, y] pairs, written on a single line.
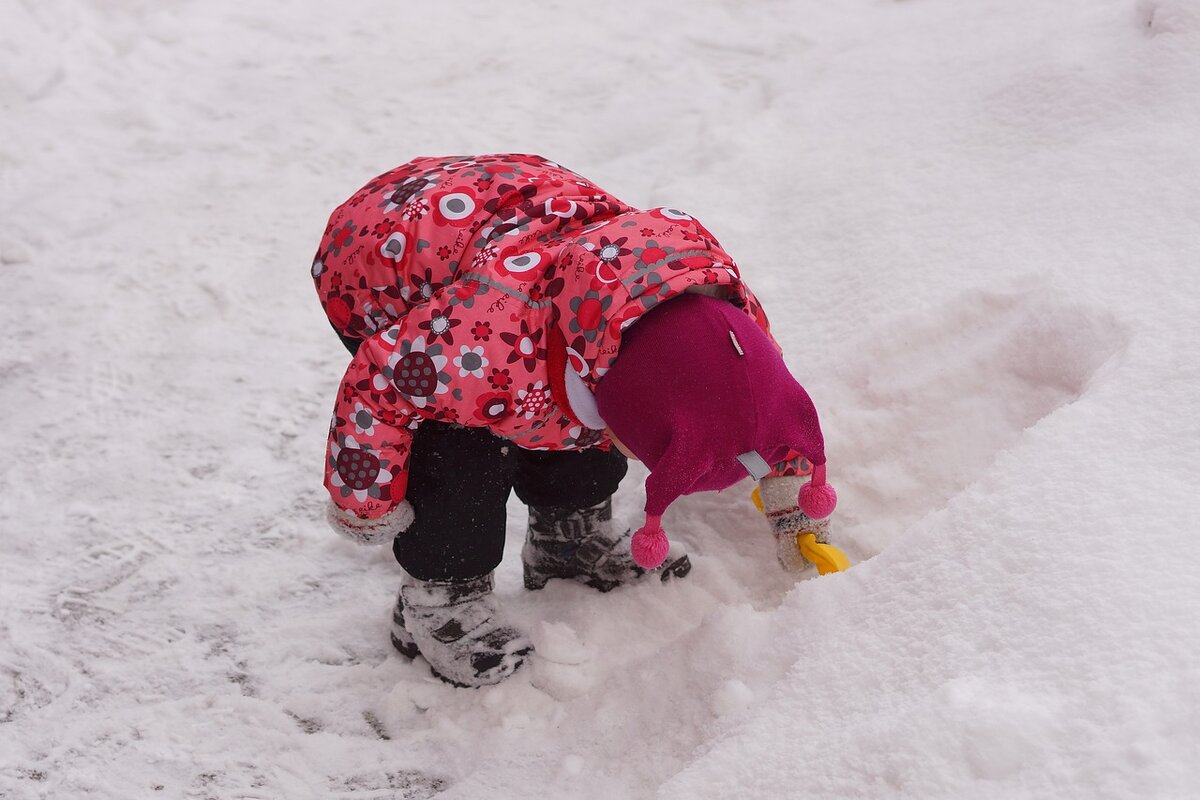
{"points": [[471, 361], [464, 277]]}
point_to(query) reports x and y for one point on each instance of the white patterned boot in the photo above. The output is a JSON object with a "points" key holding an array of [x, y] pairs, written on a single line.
{"points": [[456, 627]]}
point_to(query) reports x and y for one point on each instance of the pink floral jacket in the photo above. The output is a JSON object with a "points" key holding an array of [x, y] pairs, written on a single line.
{"points": [[475, 284]]}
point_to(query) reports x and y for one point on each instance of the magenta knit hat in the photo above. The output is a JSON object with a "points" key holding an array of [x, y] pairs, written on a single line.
{"points": [[699, 393]]}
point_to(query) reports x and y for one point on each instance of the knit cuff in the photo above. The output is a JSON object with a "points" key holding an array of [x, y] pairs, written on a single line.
{"points": [[370, 531], [782, 509], [779, 493]]}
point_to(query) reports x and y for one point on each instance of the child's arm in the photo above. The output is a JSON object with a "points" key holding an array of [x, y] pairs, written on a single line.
{"points": [[397, 378], [779, 495]]}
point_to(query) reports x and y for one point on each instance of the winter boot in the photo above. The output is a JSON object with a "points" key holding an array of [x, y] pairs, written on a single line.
{"points": [[454, 625], [583, 545]]}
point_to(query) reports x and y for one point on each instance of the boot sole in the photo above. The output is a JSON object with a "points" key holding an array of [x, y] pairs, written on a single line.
{"points": [[679, 568], [535, 583], [538, 583], [408, 649], [460, 685]]}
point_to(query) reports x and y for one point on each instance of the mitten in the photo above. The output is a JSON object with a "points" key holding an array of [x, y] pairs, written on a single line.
{"points": [[370, 531], [779, 504]]}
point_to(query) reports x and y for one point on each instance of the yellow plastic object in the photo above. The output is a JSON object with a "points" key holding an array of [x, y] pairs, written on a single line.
{"points": [[826, 557]]}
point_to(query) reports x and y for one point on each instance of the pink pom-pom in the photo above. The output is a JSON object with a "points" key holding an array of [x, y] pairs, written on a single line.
{"points": [[650, 547], [817, 502]]}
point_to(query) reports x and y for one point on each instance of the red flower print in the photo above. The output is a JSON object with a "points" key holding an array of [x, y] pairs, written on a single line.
{"points": [[354, 470], [342, 237], [525, 346], [652, 255], [559, 207], [500, 379], [559, 211], [415, 210], [482, 331], [535, 399], [605, 272], [618, 322], [672, 214], [589, 312], [522, 263], [338, 307], [465, 291], [455, 207], [443, 252], [357, 468], [492, 406]]}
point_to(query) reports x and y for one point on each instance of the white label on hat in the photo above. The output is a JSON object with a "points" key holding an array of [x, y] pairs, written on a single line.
{"points": [[755, 464], [736, 344]]}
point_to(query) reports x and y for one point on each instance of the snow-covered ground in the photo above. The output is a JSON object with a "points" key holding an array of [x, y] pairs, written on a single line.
{"points": [[976, 227]]}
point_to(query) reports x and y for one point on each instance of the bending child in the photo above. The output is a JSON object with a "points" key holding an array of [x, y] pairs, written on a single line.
{"points": [[514, 327]]}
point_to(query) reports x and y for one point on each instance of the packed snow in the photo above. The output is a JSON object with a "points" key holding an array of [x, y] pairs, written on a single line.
{"points": [[976, 228]]}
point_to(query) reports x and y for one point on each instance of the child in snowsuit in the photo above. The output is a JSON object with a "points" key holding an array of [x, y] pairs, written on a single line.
{"points": [[509, 323]]}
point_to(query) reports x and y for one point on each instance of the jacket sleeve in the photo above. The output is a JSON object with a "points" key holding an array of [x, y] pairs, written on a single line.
{"points": [[398, 377]]}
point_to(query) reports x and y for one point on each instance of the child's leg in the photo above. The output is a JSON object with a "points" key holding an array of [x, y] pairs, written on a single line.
{"points": [[459, 481], [568, 478], [350, 342], [571, 533]]}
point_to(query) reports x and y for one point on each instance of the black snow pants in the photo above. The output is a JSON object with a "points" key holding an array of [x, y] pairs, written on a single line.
{"points": [[459, 482]]}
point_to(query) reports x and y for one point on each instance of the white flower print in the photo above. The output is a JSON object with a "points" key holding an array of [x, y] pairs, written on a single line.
{"points": [[364, 422], [471, 362], [357, 471], [416, 371]]}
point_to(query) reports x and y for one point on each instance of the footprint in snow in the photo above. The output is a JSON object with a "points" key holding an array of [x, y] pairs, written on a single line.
{"points": [[925, 408]]}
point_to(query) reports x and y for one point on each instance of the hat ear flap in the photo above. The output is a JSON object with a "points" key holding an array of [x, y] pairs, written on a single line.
{"points": [[672, 476]]}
